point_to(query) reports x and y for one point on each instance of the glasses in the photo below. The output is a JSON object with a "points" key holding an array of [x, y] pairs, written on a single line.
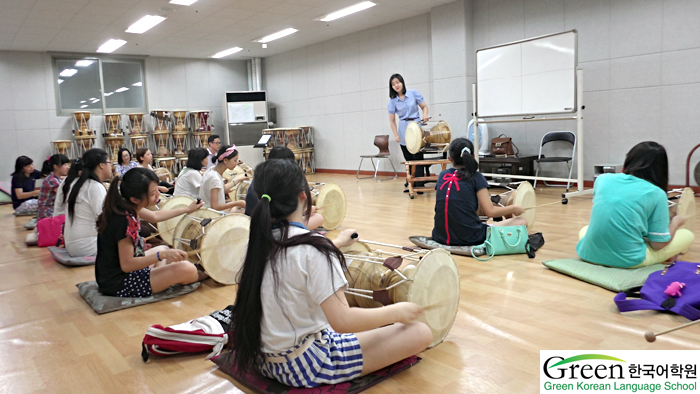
{"points": [[216, 143]]}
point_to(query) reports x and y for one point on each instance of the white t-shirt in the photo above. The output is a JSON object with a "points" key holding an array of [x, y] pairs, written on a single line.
{"points": [[211, 180], [210, 163], [188, 183], [59, 208], [305, 281], [80, 233]]}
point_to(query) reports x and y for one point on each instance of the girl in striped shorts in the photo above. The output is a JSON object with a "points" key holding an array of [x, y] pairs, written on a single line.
{"points": [[291, 321]]}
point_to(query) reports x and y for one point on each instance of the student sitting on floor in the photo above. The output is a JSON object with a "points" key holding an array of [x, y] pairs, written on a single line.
{"points": [[291, 308], [59, 205], [124, 162], [56, 167], [213, 189], [251, 200], [144, 157], [122, 267], [190, 178], [460, 192], [630, 225], [24, 189], [84, 203]]}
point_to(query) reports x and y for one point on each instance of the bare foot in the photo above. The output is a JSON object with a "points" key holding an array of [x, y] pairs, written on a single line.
{"points": [[201, 275]]}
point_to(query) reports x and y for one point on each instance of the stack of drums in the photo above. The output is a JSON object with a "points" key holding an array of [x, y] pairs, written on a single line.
{"points": [[63, 147], [300, 140], [162, 145], [139, 132], [84, 135], [113, 135], [201, 128], [181, 143]]}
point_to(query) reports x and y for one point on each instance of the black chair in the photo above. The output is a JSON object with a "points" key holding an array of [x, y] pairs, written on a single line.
{"points": [[553, 136]]}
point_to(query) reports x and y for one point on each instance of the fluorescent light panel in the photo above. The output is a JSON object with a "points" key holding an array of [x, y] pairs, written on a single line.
{"points": [[227, 52], [144, 24], [69, 72], [83, 63], [122, 89], [183, 2], [109, 94], [347, 11], [137, 84], [279, 34], [60, 81], [111, 46]]}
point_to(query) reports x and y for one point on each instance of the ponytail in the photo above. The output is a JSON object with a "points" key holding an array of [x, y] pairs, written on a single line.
{"points": [[73, 173], [135, 183], [91, 159], [462, 154], [277, 185], [55, 160]]}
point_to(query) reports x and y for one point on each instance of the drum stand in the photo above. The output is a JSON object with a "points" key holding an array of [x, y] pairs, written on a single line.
{"points": [[410, 171]]}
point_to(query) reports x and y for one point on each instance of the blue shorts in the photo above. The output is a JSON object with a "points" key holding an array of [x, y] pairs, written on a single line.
{"points": [[137, 284], [331, 358]]}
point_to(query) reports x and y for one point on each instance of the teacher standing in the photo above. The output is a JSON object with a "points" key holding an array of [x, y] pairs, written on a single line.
{"points": [[407, 104]]}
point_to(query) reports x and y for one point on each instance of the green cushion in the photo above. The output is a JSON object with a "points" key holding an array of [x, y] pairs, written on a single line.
{"points": [[613, 279]]}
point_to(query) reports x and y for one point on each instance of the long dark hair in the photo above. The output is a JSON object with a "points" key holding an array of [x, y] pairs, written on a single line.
{"points": [[75, 168], [20, 163], [280, 152], [119, 158], [134, 183], [55, 160], [221, 151], [464, 158], [195, 157], [392, 92], [91, 159], [648, 160], [282, 181]]}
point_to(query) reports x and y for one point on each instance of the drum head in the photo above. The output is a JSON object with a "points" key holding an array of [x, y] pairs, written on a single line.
{"points": [[224, 246], [166, 228], [524, 196], [189, 228], [240, 192], [331, 200], [686, 208], [414, 137], [440, 133], [435, 287]]}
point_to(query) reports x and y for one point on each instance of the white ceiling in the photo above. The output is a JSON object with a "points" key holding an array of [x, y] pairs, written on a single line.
{"points": [[197, 31]]}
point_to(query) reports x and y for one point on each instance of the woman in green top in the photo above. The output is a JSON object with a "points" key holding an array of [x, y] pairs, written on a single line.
{"points": [[630, 225]]}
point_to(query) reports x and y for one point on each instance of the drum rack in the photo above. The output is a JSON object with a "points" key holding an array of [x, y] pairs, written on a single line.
{"points": [[578, 117], [410, 179]]}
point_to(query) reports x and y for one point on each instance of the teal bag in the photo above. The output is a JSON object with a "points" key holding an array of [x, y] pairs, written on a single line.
{"points": [[504, 240]]}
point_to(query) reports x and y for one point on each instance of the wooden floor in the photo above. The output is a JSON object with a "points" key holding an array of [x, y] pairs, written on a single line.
{"points": [[510, 308]]}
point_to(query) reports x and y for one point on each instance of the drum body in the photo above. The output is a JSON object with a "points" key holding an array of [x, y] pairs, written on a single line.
{"points": [[114, 143], [200, 121], [136, 123], [166, 228], [239, 192], [216, 241], [431, 282], [330, 198], [180, 121], [112, 124], [61, 147], [164, 168], [161, 120], [82, 125], [685, 207], [180, 144], [438, 137], [524, 196], [138, 141]]}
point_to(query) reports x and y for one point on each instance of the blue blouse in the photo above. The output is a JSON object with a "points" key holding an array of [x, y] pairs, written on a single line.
{"points": [[407, 109]]}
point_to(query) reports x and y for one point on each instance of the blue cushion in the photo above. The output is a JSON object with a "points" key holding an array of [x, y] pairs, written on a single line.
{"points": [[61, 255], [105, 304]]}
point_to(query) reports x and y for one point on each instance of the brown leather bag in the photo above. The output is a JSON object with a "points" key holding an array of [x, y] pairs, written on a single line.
{"points": [[503, 145]]}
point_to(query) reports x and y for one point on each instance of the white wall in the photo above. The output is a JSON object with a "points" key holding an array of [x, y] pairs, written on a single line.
{"points": [[28, 120]]}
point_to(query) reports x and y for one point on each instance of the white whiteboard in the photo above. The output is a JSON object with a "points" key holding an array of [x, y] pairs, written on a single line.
{"points": [[529, 77]]}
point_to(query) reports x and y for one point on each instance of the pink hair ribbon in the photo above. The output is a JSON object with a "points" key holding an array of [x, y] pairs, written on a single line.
{"points": [[228, 152]]}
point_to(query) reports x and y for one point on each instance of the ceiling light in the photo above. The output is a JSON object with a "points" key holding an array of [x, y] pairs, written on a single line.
{"points": [[60, 81], [122, 89], [137, 84], [264, 46], [109, 94], [274, 36], [182, 2], [92, 98], [227, 52], [145, 23], [82, 101], [84, 63], [111, 46], [83, 106], [69, 72], [347, 11], [95, 100]]}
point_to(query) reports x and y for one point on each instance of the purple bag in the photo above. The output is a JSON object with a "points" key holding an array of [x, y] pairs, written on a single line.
{"points": [[676, 288]]}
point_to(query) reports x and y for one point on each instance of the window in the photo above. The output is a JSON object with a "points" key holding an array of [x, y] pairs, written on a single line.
{"points": [[99, 85]]}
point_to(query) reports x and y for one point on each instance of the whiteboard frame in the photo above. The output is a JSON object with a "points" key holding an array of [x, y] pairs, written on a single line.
{"points": [[574, 76]]}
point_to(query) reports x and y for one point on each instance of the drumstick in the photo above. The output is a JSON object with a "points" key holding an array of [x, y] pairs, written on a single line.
{"points": [[542, 205], [651, 337]]}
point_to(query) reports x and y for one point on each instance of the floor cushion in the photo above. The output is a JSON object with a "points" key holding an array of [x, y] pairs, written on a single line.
{"points": [[105, 304], [428, 243], [61, 256], [610, 278]]}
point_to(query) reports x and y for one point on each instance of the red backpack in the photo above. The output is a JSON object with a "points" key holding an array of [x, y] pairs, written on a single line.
{"points": [[206, 333]]}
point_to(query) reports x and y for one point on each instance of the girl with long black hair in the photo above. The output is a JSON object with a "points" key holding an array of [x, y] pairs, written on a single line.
{"points": [[213, 189], [122, 267], [460, 192], [59, 205], [24, 189], [291, 321], [55, 169], [630, 225], [84, 203]]}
